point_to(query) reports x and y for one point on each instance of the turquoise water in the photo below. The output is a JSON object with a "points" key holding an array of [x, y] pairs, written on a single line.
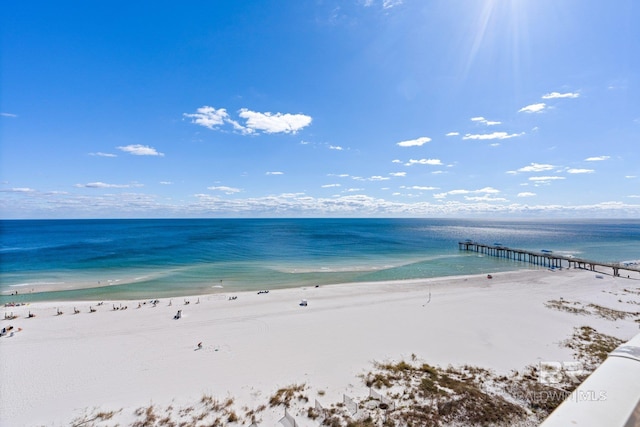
{"points": [[132, 259]]}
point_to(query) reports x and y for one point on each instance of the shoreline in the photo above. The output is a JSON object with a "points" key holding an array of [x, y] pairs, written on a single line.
{"points": [[49, 292], [57, 366], [60, 295]]}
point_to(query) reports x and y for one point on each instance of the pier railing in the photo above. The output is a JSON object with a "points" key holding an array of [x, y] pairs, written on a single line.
{"points": [[543, 258]]}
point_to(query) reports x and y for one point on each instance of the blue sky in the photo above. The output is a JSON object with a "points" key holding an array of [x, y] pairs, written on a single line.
{"points": [[395, 108]]}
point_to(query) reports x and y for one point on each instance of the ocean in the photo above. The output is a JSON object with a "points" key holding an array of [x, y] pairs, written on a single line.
{"points": [[46, 260]]}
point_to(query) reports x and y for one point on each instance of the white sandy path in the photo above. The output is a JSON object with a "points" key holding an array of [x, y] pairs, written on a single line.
{"points": [[59, 365]]}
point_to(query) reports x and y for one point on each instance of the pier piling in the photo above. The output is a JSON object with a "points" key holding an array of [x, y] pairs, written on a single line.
{"points": [[543, 258]]}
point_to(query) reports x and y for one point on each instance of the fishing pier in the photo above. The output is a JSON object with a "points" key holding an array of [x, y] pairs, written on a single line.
{"points": [[543, 258]]}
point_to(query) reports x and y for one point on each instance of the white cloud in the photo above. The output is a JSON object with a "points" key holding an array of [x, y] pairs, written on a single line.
{"points": [[371, 178], [618, 84], [580, 171], [330, 185], [398, 174], [545, 178], [209, 117], [292, 195], [536, 167], [486, 191], [226, 190], [166, 183], [335, 147], [19, 190], [555, 95], [105, 185], [140, 150], [453, 134], [494, 135], [597, 159], [266, 122], [274, 123], [101, 154], [533, 108], [129, 204], [485, 121], [431, 162], [414, 142], [275, 173], [421, 188], [456, 192], [385, 4], [526, 194], [8, 115]]}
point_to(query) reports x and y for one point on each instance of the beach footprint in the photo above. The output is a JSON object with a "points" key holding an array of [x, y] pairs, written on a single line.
{"points": [[216, 348]]}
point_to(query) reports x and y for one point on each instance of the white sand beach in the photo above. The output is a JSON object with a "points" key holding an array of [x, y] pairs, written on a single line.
{"points": [[54, 368]]}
